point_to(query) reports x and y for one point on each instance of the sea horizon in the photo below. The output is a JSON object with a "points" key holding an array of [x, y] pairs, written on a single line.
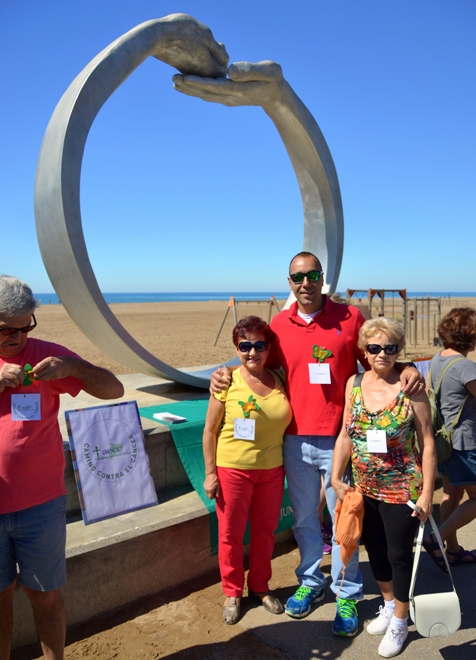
{"points": [[145, 297]]}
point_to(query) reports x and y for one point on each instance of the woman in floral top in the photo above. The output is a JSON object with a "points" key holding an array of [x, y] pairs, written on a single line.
{"points": [[390, 467]]}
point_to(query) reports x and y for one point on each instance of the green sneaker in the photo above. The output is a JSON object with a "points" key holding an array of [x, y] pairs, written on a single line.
{"points": [[346, 622]]}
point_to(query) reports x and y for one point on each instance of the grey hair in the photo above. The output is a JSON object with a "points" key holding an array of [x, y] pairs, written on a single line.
{"points": [[16, 297], [389, 327]]}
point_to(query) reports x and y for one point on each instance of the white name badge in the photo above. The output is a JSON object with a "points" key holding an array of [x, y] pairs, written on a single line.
{"points": [[319, 374], [26, 407], [245, 429], [377, 441]]}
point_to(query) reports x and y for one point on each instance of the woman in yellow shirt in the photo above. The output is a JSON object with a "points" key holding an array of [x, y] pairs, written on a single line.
{"points": [[242, 447]]}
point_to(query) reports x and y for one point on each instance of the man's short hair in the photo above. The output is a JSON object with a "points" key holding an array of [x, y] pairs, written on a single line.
{"points": [[16, 297], [305, 255]]}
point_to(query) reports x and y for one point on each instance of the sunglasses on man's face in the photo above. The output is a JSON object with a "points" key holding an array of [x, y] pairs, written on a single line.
{"points": [[6, 332], [389, 349], [246, 346], [312, 276]]}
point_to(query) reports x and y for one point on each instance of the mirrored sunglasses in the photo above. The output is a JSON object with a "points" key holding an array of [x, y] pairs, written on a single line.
{"points": [[389, 349], [312, 276], [246, 346]]}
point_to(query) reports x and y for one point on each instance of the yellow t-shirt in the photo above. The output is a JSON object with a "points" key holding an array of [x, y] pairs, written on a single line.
{"points": [[272, 419]]}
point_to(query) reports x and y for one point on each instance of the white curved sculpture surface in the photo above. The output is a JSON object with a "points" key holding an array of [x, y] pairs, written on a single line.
{"points": [[188, 45]]}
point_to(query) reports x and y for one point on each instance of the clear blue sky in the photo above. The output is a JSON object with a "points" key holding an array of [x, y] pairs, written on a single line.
{"points": [[182, 195]]}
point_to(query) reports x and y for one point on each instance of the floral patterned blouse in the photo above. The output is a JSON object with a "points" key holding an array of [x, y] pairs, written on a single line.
{"points": [[394, 477]]}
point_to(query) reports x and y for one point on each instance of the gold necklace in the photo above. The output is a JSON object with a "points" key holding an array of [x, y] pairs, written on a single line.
{"points": [[257, 379]]}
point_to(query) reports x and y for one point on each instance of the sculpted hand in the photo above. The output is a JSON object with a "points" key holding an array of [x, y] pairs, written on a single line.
{"points": [[189, 46], [249, 83], [11, 375]]}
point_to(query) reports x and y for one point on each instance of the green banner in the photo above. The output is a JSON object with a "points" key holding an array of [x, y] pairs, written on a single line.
{"points": [[187, 437]]}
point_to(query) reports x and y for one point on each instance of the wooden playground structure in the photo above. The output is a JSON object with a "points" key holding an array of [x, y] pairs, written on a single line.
{"points": [[233, 304], [419, 316]]}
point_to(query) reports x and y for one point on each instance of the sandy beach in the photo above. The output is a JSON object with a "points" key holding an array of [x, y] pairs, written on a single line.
{"points": [[185, 623], [182, 333]]}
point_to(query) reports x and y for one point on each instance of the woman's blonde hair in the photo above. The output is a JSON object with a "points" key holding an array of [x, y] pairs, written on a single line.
{"points": [[391, 328]]}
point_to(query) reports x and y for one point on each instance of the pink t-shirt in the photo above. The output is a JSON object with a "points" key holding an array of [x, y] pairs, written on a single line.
{"points": [[31, 452]]}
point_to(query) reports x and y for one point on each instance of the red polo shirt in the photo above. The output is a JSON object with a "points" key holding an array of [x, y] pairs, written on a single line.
{"points": [[317, 409]]}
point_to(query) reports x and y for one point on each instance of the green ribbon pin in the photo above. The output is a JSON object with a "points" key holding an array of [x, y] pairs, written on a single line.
{"points": [[249, 405], [320, 354]]}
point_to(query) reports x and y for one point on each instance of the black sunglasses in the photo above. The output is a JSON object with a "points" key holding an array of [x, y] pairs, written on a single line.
{"points": [[389, 349], [6, 332], [312, 276], [246, 346]]}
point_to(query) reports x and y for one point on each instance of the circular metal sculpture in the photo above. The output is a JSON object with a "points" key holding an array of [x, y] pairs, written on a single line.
{"points": [[188, 45]]}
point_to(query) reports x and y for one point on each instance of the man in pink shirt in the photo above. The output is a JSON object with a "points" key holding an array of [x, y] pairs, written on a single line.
{"points": [[33, 373]]}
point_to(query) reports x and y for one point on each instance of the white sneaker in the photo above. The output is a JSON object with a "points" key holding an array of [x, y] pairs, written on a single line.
{"points": [[392, 643], [379, 625]]}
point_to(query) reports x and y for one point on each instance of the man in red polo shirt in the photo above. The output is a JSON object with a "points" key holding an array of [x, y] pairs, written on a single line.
{"points": [[317, 348]]}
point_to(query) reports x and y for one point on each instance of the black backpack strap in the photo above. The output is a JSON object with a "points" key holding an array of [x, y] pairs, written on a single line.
{"points": [[358, 379]]}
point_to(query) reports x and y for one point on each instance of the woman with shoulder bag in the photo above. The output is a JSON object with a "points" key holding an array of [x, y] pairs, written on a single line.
{"points": [[389, 470], [456, 396]]}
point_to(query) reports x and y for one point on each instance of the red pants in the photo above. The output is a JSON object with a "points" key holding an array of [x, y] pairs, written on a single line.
{"points": [[253, 494]]}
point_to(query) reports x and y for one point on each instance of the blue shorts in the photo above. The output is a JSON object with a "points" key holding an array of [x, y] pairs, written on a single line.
{"points": [[35, 539], [460, 468]]}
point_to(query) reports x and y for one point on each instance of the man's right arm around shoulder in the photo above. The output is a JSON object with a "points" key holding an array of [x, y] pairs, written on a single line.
{"points": [[220, 379]]}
